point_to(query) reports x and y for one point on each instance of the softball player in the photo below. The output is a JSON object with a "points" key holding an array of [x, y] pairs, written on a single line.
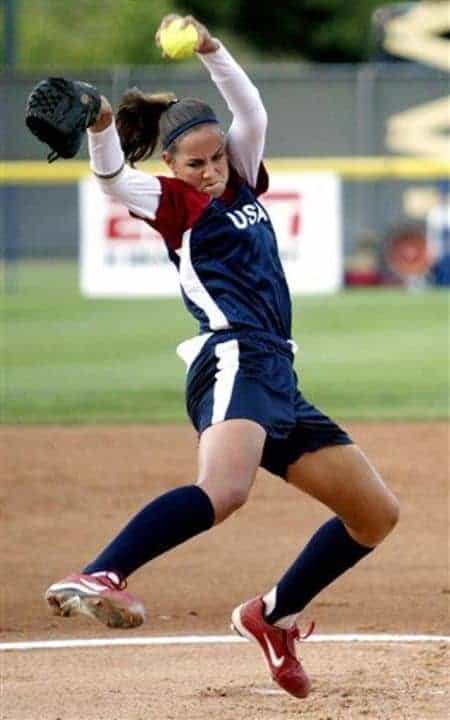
{"points": [[242, 393]]}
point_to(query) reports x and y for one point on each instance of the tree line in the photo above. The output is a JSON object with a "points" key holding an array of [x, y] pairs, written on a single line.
{"points": [[102, 33]]}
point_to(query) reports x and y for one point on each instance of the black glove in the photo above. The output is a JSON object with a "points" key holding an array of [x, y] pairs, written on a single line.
{"points": [[58, 113]]}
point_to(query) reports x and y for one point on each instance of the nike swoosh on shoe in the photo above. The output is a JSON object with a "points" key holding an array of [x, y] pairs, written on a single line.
{"points": [[274, 659]]}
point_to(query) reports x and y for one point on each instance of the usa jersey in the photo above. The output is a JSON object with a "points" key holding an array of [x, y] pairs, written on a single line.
{"points": [[225, 251], [241, 364]]}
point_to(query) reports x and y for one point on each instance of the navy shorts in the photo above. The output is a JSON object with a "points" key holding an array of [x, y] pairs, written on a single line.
{"points": [[235, 375]]}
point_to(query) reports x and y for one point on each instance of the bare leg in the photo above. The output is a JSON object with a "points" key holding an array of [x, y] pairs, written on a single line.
{"points": [[229, 455], [342, 478]]}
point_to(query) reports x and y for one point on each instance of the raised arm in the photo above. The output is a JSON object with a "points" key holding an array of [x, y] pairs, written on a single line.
{"points": [[138, 191], [141, 192], [247, 133]]}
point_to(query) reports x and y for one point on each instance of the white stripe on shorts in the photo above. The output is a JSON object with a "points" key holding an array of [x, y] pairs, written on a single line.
{"points": [[190, 349], [227, 367]]}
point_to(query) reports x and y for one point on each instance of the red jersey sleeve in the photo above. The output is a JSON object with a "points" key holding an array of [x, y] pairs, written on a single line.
{"points": [[180, 207]]}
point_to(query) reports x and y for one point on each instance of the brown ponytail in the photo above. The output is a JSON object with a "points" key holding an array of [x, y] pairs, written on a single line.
{"points": [[142, 120], [137, 121]]}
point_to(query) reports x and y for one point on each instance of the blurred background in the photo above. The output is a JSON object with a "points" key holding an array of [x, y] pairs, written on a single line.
{"points": [[342, 80], [356, 90]]}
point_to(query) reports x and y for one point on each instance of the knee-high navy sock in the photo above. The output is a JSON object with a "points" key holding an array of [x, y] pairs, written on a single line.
{"points": [[330, 552], [165, 522]]}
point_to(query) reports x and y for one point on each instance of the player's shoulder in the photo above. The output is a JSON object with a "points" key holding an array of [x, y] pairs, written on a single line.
{"points": [[180, 191], [262, 180], [180, 207], [257, 186]]}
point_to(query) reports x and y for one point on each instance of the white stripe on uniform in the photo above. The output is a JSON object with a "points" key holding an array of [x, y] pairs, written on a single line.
{"points": [[190, 349], [227, 367], [195, 291]]}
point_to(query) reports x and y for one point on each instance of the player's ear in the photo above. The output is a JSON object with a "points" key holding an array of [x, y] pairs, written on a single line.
{"points": [[168, 158]]}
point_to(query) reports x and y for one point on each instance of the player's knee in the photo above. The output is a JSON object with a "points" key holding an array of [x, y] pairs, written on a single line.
{"points": [[234, 499], [383, 522], [391, 514], [226, 501]]}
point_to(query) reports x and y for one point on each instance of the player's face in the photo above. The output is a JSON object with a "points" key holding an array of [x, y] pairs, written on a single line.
{"points": [[200, 159]]}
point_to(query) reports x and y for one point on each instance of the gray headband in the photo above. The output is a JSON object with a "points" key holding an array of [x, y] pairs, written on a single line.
{"points": [[186, 126]]}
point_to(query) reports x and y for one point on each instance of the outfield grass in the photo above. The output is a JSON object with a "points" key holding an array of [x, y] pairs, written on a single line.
{"points": [[363, 354]]}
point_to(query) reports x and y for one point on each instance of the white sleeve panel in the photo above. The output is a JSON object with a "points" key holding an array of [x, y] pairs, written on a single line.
{"points": [[105, 151], [138, 191], [246, 136]]}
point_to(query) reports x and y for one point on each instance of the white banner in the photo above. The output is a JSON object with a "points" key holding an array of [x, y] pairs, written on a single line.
{"points": [[124, 257]]}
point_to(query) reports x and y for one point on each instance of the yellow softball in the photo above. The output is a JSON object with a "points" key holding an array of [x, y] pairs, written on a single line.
{"points": [[179, 42]]}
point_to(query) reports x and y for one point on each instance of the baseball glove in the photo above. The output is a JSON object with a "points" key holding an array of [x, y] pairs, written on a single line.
{"points": [[58, 113]]}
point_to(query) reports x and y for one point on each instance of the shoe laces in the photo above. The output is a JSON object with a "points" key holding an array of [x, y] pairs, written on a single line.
{"points": [[294, 635], [112, 579]]}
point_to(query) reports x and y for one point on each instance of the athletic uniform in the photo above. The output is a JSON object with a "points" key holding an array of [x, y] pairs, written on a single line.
{"points": [[239, 366], [232, 281]]}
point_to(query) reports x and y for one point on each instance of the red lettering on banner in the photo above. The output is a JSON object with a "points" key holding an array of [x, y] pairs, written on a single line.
{"points": [[294, 199], [296, 224], [121, 228]]}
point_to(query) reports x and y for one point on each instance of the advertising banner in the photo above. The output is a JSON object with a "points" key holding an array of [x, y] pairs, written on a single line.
{"points": [[124, 257]]}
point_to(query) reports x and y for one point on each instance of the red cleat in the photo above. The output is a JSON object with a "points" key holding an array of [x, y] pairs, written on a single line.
{"points": [[278, 646], [101, 596]]}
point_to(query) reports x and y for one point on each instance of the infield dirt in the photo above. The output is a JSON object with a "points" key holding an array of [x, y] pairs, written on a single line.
{"points": [[67, 490]]}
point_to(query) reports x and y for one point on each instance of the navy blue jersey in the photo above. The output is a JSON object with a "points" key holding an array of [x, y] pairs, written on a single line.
{"points": [[241, 366], [226, 254]]}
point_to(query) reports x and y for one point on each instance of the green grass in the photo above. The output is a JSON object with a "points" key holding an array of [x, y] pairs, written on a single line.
{"points": [[363, 354]]}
